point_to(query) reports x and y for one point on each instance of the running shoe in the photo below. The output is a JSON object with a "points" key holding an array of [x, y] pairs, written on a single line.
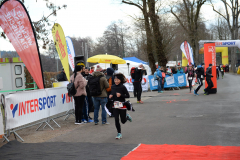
{"points": [[119, 136], [78, 122], [195, 93], [90, 121], [105, 123], [84, 120], [161, 91], [140, 102], [205, 94], [96, 123], [129, 118]]}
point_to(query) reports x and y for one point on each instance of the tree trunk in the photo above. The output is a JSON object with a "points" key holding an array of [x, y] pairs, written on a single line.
{"points": [[149, 38], [161, 56]]}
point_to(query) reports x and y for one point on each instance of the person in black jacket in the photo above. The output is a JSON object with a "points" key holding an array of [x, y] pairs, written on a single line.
{"points": [[190, 76], [208, 79], [137, 83], [87, 75], [200, 77], [62, 76], [118, 94]]}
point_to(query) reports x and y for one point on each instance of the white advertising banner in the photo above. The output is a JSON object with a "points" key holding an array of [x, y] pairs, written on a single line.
{"points": [[30, 106], [129, 84], [1, 122], [170, 80]]}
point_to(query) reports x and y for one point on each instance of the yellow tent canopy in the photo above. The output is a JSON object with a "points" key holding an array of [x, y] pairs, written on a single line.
{"points": [[104, 58]]}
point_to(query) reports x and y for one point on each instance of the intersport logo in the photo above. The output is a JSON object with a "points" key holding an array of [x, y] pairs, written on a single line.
{"points": [[66, 98], [33, 105]]}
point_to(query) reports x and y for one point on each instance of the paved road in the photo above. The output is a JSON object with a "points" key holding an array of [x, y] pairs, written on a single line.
{"points": [[174, 117], [184, 119]]}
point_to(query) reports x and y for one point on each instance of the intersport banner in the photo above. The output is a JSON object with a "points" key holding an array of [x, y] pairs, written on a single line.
{"points": [[26, 107], [187, 50], [61, 46], [17, 25], [71, 52]]}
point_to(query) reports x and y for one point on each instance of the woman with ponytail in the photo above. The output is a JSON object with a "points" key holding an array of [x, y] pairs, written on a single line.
{"points": [[79, 97]]}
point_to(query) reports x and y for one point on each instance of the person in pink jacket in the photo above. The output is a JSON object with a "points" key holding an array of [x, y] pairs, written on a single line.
{"points": [[80, 85]]}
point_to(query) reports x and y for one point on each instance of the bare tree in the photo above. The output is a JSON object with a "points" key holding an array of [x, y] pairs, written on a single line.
{"points": [[187, 14], [232, 11]]}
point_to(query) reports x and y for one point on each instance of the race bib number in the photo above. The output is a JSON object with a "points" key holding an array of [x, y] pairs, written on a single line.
{"points": [[221, 70], [189, 78], [201, 76], [118, 104]]}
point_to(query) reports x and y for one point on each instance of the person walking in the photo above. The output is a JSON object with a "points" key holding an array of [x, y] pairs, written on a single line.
{"points": [[190, 76], [217, 71], [200, 77], [208, 79], [118, 94], [80, 84], [137, 83], [222, 70], [158, 77], [98, 85]]}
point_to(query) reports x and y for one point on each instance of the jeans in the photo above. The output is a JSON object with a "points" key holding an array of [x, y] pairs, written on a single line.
{"points": [[138, 89], [85, 110], [159, 84], [97, 102]]}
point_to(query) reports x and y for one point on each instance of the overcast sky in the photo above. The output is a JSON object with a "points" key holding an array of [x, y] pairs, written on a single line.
{"points": [[84, 18]]}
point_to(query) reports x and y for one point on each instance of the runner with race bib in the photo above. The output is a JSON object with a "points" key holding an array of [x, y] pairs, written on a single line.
{"points": [[190, 76]]}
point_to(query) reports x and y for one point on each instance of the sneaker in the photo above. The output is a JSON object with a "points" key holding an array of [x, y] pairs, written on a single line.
{"points": [[84, 120], [129, 117], [78, 122], [96, 123], [141, 102], [90, 121], [105, 123], [161, 91], [119, 136], [205, 94], [195, 93], [138, 102]]}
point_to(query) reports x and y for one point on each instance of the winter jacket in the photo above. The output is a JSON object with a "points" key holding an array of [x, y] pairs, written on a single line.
{"points": [[103, 84], [159, 73], [180, 71], [200, 72], [209, 73], [138, 75], [80, 84]]}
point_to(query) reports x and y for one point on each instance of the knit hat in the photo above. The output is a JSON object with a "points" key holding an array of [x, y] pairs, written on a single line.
{"points": [[98, 69], [202, 64], [210, 64]]}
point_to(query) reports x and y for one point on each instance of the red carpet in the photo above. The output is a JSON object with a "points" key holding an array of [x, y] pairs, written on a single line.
{"points": [[183, 152]]}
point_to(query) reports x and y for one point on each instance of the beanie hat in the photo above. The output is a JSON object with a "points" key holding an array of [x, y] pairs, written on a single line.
{"points": [[202, 64], [210, 64], [98, 69]]}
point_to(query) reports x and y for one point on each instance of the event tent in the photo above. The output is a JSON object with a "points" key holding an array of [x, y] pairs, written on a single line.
{"points": [[123, 68], [134, 59]]}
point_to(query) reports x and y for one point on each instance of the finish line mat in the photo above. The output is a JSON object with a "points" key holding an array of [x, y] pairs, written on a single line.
{"points": [[183, 152]]}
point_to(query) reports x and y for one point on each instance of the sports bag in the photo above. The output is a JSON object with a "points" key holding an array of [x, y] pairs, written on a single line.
{"points": [[133, 69], [94, 85], [71, 89]]}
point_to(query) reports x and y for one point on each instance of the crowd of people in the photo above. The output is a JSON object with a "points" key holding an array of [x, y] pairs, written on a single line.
{"points": [[103, 89], [192, 72]]}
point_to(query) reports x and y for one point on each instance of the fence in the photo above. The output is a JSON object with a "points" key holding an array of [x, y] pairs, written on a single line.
{"points": [[23, 108]]}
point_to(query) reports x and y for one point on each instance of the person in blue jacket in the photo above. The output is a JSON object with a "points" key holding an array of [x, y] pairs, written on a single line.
{"points": [[158, 76], [179, 70]]}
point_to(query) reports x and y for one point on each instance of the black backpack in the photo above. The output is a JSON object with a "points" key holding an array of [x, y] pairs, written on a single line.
{"points": [[71, 89], [133, 70], [94, 85]]}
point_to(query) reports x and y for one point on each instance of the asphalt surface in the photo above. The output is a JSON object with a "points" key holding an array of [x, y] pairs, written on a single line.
{"points": [[173, 117]]}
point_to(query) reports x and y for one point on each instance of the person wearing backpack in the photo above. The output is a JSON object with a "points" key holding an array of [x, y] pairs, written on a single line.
{"points": [[62, 76], [137, 82], [80, 84], [97, 86]]}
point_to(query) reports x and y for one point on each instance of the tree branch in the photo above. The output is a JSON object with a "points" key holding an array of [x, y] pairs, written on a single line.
{"points": [[134, 4]]}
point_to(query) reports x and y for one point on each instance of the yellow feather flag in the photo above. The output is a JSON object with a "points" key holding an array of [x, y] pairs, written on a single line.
{"points": [[61, 46]]}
